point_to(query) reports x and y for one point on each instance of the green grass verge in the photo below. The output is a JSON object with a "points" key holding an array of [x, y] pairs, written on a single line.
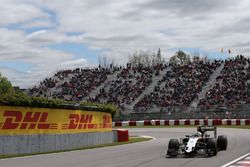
{"points": [[131, 140]]}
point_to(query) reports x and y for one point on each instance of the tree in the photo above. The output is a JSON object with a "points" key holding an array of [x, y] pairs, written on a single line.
{"points": [[103, 61], [159, 58], [173, 60], [196, 56], [146, 58], [5, 86], [137, 58], [180, 57]]}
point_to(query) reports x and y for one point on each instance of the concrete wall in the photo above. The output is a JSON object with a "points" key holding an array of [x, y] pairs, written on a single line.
{"points": [[20, 144]]}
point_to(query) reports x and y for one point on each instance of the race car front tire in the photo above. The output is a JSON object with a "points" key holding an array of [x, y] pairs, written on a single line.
{"points": [[222, 142], [212, 147], [173, 147]]}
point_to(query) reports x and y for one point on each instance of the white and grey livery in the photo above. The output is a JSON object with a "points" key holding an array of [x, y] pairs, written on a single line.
{"points": [[198, 142]]}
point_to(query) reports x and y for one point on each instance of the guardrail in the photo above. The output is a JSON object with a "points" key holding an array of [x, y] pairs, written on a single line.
{"points": [[232, 111], [178, 122]]}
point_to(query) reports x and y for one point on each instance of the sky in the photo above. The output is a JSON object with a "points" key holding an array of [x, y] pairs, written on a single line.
{"points": [[40, 37]]}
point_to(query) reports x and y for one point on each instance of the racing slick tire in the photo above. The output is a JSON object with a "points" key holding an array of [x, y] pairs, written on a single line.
{"points": [[212, 147], [173, 147], [222, 142]]}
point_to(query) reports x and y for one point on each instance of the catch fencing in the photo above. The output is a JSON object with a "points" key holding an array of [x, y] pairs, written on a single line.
{"points": [[239, 111]]}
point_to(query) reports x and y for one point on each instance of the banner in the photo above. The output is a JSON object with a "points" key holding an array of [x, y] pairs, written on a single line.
{"points": [[21, 120]]}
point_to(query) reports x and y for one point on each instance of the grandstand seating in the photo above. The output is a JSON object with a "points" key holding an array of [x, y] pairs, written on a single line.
{"points": [[232, 86], [128, 85], [178, 87]]}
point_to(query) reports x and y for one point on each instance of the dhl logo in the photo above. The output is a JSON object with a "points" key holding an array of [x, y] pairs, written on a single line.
{"points": [[107, 122], [29, 120], [84, 121], [39, 120], [80, 121]]}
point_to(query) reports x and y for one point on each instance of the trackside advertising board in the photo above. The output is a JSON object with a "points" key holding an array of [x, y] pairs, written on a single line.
{"points": [[21, 120]]}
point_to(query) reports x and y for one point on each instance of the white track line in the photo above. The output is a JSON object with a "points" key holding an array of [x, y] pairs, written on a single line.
{"points": [[236, 166], [236, 160], [153, 138], [243, 162]]}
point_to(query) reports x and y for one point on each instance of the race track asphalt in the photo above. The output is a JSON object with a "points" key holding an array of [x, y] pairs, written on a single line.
{"points": [[144, 154]]}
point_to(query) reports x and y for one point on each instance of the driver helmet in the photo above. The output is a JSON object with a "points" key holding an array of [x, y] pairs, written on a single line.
{"points": [[197, 134]]}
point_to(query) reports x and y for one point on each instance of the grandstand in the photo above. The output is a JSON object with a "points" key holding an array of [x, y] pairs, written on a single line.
{"points": [[198, 88]]}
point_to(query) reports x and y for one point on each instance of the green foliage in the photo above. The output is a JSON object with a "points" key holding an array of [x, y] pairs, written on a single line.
{"points": [[110, 108], [5, 86], [8, 96], [180, 58], [21, 99]]}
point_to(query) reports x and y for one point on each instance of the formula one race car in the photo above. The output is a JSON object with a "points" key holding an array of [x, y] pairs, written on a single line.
{"points": [[199, 142]]}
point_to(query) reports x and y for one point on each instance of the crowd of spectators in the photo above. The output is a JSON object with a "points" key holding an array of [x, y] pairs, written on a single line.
{"points": [[74, 88], [83, 82], [129, 84], [232, 85], [44, 86], [180, 86]]}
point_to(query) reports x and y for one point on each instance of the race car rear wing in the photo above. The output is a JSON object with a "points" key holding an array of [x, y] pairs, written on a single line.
{"points": [[204, 129]]}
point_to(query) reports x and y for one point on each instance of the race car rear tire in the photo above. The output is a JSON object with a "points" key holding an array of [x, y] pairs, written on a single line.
{"points": [[173, 147], [222, 142], [211, 147]]}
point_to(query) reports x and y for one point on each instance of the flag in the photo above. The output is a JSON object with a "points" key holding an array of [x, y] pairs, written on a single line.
{"points": [[222, 50]]}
